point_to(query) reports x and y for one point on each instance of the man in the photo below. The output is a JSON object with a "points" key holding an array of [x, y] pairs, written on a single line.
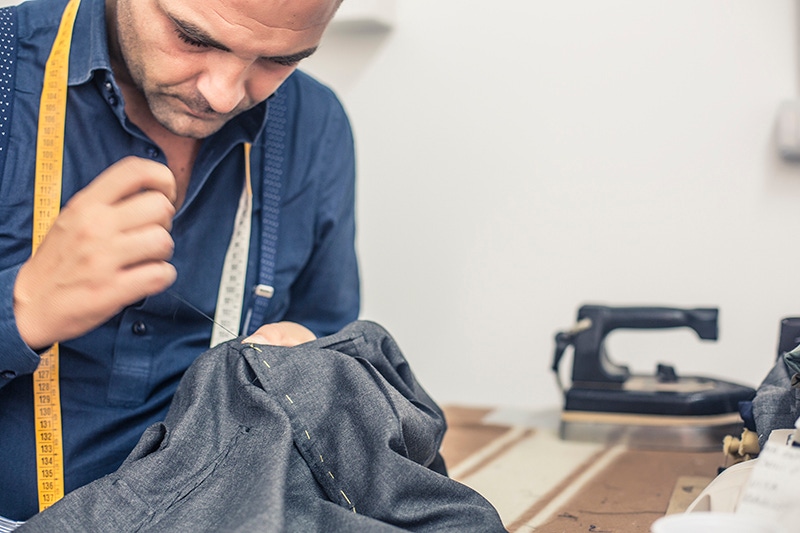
{"points": [[162, 97]]}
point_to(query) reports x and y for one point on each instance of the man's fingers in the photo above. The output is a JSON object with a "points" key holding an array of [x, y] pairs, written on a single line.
{"points": [[109, 247], [150, 243], [130, 176], [281, 334], [129, 285], [149, 207], [52, 312], [146, 279]]}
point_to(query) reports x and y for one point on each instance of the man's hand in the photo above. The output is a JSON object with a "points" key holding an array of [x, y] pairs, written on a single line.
{"points": [[108, 248], [281, 334]]}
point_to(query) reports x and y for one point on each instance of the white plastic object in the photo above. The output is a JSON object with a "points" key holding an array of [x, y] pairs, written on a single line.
{"points": [[712, 523], [724, 492]]}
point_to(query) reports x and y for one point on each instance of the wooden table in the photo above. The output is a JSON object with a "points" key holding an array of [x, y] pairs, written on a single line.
{"points": [[541, 483]]}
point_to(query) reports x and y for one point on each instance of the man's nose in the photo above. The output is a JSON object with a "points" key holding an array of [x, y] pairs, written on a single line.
{"points": [[223, 82]]}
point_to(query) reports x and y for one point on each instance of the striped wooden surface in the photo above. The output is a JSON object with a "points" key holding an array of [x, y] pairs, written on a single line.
{"points": [[540, 483]]}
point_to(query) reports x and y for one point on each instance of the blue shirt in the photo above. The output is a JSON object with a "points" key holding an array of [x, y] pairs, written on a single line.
{"points": [[120, 378]]}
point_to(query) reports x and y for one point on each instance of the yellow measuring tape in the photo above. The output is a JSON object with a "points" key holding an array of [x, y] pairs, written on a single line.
{"points": [[46, 206]]}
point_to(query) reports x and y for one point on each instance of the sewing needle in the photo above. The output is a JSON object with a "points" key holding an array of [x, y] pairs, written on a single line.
{"points": [[199, 311]]}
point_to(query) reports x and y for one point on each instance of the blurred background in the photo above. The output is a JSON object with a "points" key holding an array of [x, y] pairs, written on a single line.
{"points": [[519, 159]]}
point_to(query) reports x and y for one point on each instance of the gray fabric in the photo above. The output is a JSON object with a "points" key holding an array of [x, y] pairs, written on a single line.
{"points": [[777, 401], [333, 435], [792, 359]]}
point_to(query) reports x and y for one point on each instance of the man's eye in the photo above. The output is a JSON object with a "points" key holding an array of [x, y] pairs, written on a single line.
{"points": [[188, 40], [285, 62]]}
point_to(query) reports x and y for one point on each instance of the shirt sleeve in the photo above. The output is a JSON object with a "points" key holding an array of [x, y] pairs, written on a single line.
{"points": [[16, 357]]}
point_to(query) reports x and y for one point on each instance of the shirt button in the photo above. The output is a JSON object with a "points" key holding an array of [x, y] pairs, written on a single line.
{"points": [[139, 328], [152, 152], [8, 374], [112, 100], [108, 86]]}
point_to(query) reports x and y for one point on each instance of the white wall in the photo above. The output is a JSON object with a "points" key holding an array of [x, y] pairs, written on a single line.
{"points": [[518, 159]]}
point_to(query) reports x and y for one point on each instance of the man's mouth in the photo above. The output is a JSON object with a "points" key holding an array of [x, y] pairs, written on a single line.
{"points": [[198, 110]]}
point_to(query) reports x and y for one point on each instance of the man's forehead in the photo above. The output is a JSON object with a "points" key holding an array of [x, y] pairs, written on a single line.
{"points": [[295, 15], [301, 14]]}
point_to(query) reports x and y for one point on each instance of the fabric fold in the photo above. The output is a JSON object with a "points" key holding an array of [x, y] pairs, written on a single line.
{"points": [[331, 435]]}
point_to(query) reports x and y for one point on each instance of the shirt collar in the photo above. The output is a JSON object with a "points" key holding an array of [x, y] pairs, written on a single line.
{"points": [[89, 49]]}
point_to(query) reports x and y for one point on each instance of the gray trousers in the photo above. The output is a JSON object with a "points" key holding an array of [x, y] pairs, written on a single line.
{"points": [[333, 435]]}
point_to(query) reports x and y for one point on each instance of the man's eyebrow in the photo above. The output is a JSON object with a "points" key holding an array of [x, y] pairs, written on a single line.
{"points": [[292, 58], [199, 35]]}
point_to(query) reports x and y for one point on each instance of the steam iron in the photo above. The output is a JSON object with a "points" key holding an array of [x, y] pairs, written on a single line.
{"points": [[606, 403]]}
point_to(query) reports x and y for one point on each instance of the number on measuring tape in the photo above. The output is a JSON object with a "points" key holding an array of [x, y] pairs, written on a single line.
{"points": [[46, 206]]}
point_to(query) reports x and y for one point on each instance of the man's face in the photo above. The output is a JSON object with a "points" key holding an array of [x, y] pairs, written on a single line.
{"points": [[199, 63]]}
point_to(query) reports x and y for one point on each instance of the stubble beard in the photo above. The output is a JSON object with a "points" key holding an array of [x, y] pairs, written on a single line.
{"points": [[166, 109]]}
